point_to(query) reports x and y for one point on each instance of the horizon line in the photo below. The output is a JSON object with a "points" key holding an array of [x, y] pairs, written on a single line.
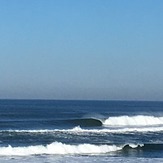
{"points": [[46, 99]]}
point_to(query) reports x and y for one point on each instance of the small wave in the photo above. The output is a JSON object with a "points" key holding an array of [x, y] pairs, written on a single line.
{"points": [[139, 120]]}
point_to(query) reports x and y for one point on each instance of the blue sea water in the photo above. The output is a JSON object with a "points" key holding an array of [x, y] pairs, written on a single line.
{"points": [[80, 131]]}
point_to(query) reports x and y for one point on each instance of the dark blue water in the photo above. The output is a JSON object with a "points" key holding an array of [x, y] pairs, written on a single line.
{"points": [[100, 129]]}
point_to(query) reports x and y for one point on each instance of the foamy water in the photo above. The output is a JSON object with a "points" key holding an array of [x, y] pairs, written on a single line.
{"points": [[139, 120], [59, 148]]}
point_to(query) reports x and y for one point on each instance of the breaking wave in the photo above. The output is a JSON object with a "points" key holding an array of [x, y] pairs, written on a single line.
{"points": [[58, 148], [120, 124], [137, 120]]}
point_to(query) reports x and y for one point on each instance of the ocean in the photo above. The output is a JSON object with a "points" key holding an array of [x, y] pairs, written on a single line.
{"points": [[80, 131]]}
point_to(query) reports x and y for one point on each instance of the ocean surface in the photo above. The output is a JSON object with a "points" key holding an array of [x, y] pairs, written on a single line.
{"points": [[80, 131]]}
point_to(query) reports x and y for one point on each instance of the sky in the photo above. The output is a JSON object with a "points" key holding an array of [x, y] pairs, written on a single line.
{"points": [[81, 50]]}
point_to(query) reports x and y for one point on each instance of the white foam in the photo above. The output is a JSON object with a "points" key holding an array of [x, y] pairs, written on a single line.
{"points": [[79, 130], [58, 148], [139, 120], [115, 130]]}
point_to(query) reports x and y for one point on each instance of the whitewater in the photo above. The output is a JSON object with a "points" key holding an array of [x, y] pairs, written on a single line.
{"points": [[59, 148], [139, 120]]}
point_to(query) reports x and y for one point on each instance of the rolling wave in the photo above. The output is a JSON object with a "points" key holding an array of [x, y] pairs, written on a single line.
{"points": [[58, 148], [116, 122], [137, 121], [86, 122], [119, 124]]}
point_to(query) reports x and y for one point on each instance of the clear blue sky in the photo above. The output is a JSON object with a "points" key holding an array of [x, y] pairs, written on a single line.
{"points": [[81, 49]]}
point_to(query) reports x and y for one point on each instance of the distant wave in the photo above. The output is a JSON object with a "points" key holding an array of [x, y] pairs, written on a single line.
{"points": [[119, 124], [124, 121], [58, 148]]}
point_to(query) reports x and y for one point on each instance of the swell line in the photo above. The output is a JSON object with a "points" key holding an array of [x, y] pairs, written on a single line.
{"points": [[78, 130]]}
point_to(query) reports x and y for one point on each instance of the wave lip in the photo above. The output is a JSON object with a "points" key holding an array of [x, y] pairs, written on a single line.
{"points": [[138, 120]]}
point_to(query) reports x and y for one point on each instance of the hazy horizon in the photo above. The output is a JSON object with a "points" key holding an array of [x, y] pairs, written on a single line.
{"points": [[81, 50]]}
